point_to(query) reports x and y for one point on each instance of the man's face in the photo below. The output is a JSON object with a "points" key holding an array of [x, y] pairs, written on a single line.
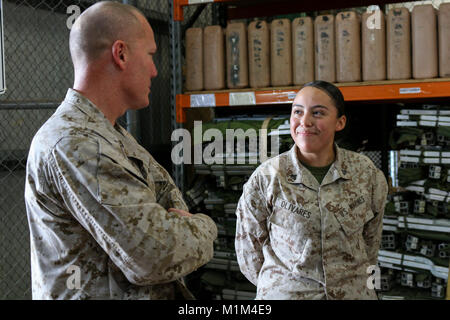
{"points": [[141, 69], [314, 121]]}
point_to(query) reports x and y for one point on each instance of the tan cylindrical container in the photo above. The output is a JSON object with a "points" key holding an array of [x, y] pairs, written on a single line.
{"points": [[259, 54], [324, 48], [213, 58], [373, 46], [444, 40], [194, 59], [281, 53], [424, 42], [348, 47], [302, 50], [237, 62], [398, 44]]}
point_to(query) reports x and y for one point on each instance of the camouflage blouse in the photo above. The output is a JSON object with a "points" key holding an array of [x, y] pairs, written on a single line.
{"points": [[97, 210], [296, 239]]}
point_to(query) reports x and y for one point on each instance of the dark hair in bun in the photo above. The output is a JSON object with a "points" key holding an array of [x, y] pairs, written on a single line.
{"points": [[332, 91]]}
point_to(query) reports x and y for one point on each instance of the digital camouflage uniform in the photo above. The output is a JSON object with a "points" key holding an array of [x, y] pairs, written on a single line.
{"points": [[296, 239], [97, 201]]}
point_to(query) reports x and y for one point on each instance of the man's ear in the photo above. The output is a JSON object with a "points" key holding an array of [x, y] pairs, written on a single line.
{"points": [[341, 123], [119, 53]]}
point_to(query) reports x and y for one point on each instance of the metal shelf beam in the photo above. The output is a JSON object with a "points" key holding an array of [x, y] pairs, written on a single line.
{"points": [[265, 8], [375, 91]]}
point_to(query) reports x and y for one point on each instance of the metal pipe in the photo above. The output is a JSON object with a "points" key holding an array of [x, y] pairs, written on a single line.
{"points": [[28, 105], [131, 115], [176, 87], [130, 2], [193, 18]]}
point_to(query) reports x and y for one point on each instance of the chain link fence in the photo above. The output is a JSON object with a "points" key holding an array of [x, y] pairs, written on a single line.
{"points": [[38, 72]]}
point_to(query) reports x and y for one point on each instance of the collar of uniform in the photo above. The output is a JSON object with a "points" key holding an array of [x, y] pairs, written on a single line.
{"points": [[119, 137], [98, 118], [84, 104], [338, 169], [340, 163], [131, 147], [296, 173]]}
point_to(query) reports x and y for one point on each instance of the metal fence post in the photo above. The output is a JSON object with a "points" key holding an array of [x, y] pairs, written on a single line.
{"points": [[176, 85]]}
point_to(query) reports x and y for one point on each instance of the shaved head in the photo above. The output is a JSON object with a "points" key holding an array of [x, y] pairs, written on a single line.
{"points": [[99, 26], [112, 47]]}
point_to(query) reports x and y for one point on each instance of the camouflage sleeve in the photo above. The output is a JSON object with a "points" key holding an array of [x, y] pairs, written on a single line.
{"points": [[373, 228], [251, 230], [167, 193], [148, 244]]}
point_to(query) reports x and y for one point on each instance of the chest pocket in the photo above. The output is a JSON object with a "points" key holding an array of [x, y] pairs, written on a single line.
{"points": [[287, 236], [354, 216], [282, 219]]}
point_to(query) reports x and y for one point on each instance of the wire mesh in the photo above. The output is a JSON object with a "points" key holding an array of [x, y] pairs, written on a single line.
{"points": [[38, 72]]}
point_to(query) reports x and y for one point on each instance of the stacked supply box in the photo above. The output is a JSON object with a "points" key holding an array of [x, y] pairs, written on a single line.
{"points": [[398, 44], [303, 50], [237, 149], [373, 45], [194, 59], [280, 53], [414, 253], [236, 55], [324, 43], [444, 39], [214, 58], [348, 47], [351, 46], [259, 54], [424, 42]]}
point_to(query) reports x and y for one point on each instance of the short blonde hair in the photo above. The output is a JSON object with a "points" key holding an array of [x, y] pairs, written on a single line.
{"points": [[99, 26]]}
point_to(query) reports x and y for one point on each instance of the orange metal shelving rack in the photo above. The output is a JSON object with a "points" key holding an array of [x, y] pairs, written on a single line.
{"points": [[374, 91], [379, 91], [179, 4]]}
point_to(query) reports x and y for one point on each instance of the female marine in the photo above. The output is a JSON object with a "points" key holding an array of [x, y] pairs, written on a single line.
{"points": [[309, 221]]}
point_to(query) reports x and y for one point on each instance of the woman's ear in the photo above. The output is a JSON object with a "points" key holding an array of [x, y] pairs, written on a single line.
{"points": [[341, 123]]}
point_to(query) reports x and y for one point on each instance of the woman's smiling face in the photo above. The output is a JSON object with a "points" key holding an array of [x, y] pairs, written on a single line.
{"points": [[314, 121]]}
